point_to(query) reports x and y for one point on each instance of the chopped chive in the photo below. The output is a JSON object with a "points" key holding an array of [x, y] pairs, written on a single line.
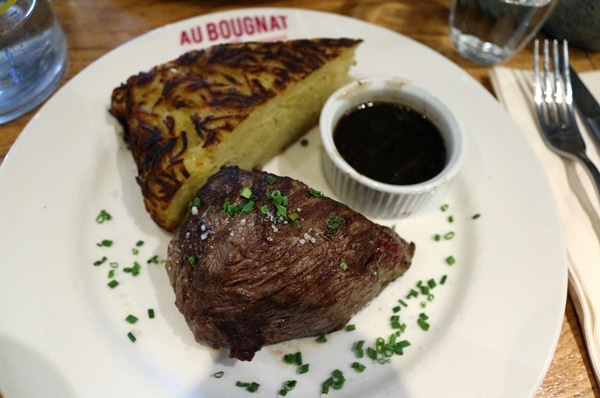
{"points": [[395, 322], [449, 235], [412, 293], [343, 266], [194, 204], [289, 358], [444, 207], [359, 367], [139, 243], [403, 303], [192, 260], [131, 337], [271, 179], [422, 321], [396, 309], [333, 225], [264, 209], [400, 346], [431, 283], [246, 193], [450, 218], [304, 142], [113, 264], [339, 379], [476, 216], [250, 387], [105, 243], [253, 387], [135, 251], [275, 196], [396, 325], [287, 387], [150, 313], [350, 328], [303, 368], [111, 274], [358, 349], [437, 237], [135, 270], [371, 353], [131, 319], [315, 193], [100, 262], [293, 358], [443, 279], [112, 284], [218, 375], [321, 339], [327, 384], [450, 260], [153, 260], [247, 208], [281, 210], [103, 216]]}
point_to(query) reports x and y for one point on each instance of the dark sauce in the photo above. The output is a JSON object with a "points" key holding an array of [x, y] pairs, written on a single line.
{"points": [[390, 143]]}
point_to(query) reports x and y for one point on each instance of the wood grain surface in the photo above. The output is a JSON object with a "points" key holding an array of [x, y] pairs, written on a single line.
{"points": [[95, 27]]}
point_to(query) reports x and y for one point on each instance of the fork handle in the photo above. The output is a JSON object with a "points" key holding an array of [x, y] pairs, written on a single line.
{"points": [[592, 170]]}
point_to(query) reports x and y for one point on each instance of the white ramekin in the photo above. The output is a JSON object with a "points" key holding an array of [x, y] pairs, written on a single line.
{"points": [[377, 199]]}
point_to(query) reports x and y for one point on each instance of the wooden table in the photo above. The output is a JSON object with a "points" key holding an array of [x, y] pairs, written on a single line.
{"points": [[95, 27]]}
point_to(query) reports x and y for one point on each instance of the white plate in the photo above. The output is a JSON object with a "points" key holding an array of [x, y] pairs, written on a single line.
{"points": [[494, 324]]}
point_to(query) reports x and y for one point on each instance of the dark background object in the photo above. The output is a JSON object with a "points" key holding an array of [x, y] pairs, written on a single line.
{"points": [[578, 21]]}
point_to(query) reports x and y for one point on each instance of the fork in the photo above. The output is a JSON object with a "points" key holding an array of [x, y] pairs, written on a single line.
{"points": [[553, 98]]}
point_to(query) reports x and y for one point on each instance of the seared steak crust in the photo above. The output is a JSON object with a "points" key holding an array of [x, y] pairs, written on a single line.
{"points": [[244, 278]]}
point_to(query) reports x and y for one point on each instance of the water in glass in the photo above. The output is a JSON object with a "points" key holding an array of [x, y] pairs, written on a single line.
{"points": [[33, 53]]}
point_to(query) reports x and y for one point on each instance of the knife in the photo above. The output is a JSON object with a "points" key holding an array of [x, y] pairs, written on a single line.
{"points": [[586, 104]]}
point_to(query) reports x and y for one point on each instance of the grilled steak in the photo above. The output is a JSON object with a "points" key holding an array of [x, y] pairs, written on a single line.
{"points": [[261, 259]]}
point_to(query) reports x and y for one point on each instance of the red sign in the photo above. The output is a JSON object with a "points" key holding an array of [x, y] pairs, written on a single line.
{"points": [[233, 29]]}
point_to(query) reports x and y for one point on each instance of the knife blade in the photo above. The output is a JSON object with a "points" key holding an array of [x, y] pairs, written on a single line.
{"points": [[586, 104]]}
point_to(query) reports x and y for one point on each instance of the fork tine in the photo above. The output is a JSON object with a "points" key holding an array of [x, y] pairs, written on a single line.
{"points": [[563, 83], [536, 72], [540, 92], [567, 75], [549, 84], [559, 99], [557, 71]]}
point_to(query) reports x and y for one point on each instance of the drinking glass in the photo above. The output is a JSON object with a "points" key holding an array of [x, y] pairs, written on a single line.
{"points": [[488, 32], [33, 55]]}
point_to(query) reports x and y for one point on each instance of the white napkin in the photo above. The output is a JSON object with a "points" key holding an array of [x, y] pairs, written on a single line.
{"points": [[578, 203]]}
